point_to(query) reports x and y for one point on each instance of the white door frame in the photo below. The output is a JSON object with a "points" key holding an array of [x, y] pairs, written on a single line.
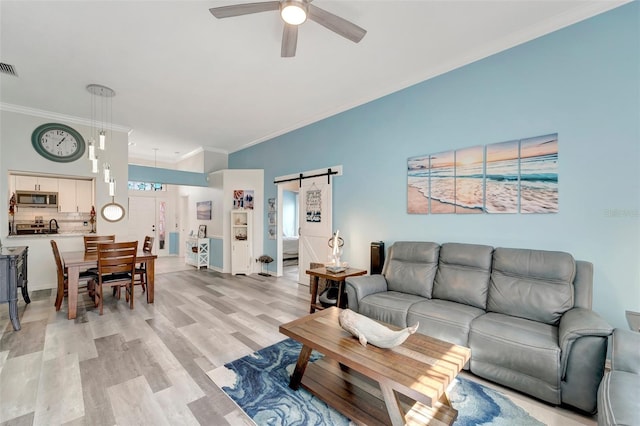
{"points": [[280, 189]]}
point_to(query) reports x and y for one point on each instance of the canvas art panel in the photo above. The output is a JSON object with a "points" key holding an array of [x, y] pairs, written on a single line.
{"points": [[248, 199], [442, 185], [539, 174], [469, 180], [238, 198], [418, 185], [502, 177], [203, 210]]}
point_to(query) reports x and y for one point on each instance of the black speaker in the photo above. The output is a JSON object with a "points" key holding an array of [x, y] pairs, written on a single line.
{"points": [[377, 257]]}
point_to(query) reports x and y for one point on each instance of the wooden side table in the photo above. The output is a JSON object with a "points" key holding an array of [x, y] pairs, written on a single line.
{"points": [[339, 277]]}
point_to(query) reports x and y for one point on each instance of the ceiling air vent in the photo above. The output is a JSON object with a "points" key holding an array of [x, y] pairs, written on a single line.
{"points": [[7, 69]]}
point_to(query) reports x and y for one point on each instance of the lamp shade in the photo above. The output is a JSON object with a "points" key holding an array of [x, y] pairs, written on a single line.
{"points": [[293, 12]]}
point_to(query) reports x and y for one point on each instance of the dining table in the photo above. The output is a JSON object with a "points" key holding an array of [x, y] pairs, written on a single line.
{"points": [[77, 261]]}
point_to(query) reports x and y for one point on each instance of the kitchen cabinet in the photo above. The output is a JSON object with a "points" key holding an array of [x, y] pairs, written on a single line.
{"points": [[75, 196], [241, 236], [36, 183], [84, 195]]}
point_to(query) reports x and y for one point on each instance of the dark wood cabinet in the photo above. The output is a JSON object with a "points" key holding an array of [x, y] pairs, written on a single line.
{"points": [[13, 274]]}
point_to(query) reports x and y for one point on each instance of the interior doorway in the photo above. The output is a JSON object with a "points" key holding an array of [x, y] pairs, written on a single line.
{"points": [[313, 205], [290, 227], [149, 216]]}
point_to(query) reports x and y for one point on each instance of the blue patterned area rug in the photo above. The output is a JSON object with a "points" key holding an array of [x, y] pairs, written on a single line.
{"points": [[259, 384]]}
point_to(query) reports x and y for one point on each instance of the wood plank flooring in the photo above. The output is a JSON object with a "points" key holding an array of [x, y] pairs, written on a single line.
{"points": [[148, 366]]}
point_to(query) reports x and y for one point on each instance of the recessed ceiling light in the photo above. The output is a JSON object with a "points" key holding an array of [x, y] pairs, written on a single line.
{"points": [[131, 143]]}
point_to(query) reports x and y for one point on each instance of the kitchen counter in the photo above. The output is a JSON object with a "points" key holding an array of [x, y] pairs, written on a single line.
{"points": [[49, 236]]}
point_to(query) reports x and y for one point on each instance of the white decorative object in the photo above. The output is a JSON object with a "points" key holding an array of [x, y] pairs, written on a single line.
{"points": [[368, 330]]}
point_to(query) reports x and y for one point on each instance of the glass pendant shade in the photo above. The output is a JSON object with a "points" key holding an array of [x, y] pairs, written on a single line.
{"points": [[293, 13], [94, 165], [102, 139], [91, 150], [107, 173], [112, 187]]}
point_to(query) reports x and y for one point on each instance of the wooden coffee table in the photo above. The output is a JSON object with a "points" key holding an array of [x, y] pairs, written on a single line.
{"points": [[373, 386]]}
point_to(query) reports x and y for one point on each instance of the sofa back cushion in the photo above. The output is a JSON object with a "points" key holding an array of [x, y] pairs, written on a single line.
{"points": [[411, 266], [463, 274], [532, 284]]}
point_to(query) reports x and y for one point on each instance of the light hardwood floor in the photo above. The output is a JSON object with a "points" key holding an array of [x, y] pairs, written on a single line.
{"points": [[148, 366]]}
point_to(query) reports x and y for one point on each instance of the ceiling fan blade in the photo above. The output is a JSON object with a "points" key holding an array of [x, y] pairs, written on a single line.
{"points": [[244, 9], [336, 24], [289, 41]]}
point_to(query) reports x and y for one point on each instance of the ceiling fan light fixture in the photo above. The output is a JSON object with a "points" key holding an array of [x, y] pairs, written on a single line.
{"points": [[293, 12]]}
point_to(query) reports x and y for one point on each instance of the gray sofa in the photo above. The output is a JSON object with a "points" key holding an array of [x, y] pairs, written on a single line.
{"points": [[619, 392], [525, 314]]}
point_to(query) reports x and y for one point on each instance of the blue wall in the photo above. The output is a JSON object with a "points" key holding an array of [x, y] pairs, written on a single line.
{"points": [[176, 177], [581, 82]]}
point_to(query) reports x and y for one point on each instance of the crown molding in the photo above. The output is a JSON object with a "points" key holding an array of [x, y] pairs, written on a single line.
{"points": [[57, 116]]}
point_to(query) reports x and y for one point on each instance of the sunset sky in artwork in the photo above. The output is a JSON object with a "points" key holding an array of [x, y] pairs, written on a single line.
{"points": [[536, 147], [471, 155], [442, 159]]}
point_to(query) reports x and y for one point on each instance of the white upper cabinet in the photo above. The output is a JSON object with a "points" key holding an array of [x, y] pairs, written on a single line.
{"points": [[75, 196], [84, 195], [35, 183]]}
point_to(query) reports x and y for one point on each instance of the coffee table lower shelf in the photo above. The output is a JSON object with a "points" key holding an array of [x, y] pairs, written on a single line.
{"points": [[360, 398]]}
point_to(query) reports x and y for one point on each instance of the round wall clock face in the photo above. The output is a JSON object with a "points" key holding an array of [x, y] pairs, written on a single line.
{"points": [[58, 142]]}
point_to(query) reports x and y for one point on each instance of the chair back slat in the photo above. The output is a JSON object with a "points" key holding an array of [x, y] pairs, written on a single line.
{"points": [[117, 257], [91, 242], [148, 244]]}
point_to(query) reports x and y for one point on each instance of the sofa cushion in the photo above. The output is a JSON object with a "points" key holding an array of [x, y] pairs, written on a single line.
{"points": [[517, 352], [531, 284], [390, 306], [411, 267], [618, 402], [444, 320], [463, 274]]}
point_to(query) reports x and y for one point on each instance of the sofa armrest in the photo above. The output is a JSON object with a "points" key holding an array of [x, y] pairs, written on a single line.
{"points": [[625, 352], [577, 323], [359, 287]]}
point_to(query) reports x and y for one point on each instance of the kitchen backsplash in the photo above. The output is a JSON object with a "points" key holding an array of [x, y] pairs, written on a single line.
{"points": [[68, 222]]}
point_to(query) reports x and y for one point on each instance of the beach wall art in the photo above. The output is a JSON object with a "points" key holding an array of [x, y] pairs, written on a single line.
{"points": [[203, 210], [519, 176]]}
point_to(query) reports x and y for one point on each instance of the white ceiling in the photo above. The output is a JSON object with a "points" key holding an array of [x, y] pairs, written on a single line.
{"points": [[185, 80]]}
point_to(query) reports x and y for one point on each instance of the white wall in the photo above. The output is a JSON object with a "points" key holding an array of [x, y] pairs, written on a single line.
{"points": [[18, 155]]}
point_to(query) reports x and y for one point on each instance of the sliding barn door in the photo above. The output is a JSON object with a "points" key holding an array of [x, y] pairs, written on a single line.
{"points": [[315, 224]]}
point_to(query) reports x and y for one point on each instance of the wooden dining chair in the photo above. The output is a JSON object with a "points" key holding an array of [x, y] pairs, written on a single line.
{"points": [[87, 280], [116, 268], [91, 241], [141, 270]]}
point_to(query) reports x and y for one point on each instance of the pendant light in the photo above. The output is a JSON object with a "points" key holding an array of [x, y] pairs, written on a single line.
{"points": [[101, 111]]}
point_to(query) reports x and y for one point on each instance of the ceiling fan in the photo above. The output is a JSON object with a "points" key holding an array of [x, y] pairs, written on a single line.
{"points": [[294, 13]]}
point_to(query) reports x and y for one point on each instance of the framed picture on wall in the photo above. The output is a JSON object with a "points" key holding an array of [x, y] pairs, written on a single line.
{"points": [[203, 210], [202, 231]]}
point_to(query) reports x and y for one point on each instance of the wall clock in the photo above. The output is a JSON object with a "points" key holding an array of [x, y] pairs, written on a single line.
{"points": [[57, 142]]}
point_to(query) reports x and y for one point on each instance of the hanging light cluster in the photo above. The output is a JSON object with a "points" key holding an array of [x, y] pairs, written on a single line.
{"points": [[101, 116]]}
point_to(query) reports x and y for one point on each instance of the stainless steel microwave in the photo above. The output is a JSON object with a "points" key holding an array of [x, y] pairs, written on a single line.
{"points": [[37, 199]]}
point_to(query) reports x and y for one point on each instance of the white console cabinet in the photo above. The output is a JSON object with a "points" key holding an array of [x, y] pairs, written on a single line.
{"points": [[197, 252]]}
